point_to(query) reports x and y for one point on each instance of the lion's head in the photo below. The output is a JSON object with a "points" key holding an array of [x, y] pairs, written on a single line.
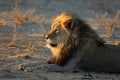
{"points": [[59, 32], [67, 35]]}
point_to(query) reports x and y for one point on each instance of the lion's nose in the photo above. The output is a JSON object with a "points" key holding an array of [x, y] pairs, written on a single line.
{"points": [[46, 36]]}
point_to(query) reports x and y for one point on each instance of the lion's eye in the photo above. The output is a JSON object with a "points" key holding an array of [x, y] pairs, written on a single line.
{"points": [[56, 30]]}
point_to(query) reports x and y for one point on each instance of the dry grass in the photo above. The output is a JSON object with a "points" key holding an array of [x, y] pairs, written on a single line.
{"points": [[22, 55], [109, 24], [117, 42], [30, 47], [17, 17], [105, 21]]}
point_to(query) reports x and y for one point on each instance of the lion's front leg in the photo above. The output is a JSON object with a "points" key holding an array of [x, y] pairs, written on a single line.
{"points": [[53, 68], [46, 67], [35, 67], [71, 66]]}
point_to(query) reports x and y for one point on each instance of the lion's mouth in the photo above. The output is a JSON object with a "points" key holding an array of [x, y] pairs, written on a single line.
{"points": [[51, 45]]}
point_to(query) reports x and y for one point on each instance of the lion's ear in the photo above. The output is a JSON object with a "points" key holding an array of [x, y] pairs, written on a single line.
{"points": [[69, 24]]}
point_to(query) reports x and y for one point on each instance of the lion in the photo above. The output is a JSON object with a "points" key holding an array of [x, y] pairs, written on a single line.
{"points": [[75, 46]]}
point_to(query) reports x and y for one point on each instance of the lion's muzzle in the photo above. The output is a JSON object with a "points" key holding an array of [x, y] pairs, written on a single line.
{"points": [[49, 41], [46, 36]]}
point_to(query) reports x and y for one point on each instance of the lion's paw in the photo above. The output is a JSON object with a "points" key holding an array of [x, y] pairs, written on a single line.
{"points": [[21, 66], [25, 67], [30, 69]]}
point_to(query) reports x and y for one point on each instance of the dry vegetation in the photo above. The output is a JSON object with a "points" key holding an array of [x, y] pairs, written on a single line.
{"points": [[109, 24], [16, 17]]}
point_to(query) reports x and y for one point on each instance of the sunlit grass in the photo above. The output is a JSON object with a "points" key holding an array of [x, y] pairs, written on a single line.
{"points": [[17, 17], [22, 55], [117, 42], [107, 22], [30, 47]]}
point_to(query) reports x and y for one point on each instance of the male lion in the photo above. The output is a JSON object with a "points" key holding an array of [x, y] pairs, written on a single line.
{"points": [[75, 46]]}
